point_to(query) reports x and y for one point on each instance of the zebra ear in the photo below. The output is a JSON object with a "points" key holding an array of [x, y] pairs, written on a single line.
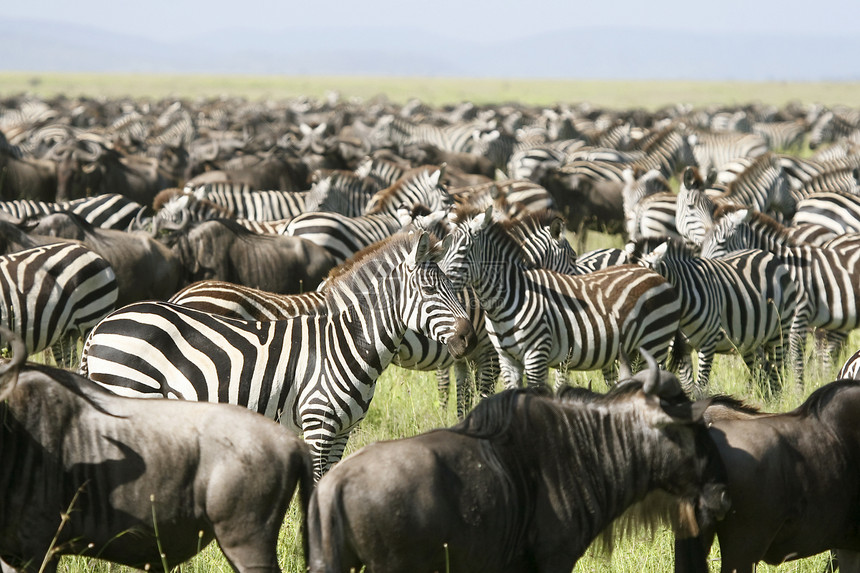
{"points": [[691, 178], [439, 174], [740, 216], [656, 255], [443, 248], [419, 252]]}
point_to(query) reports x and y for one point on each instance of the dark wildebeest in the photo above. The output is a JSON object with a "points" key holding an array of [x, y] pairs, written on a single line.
{"points": [[524, 483], [26, 178], [221, 249], [87, 166], [145, 483], [792, 479], [145, 268]]}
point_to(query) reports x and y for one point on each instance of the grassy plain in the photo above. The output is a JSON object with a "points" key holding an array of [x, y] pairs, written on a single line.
{"points": [[406, 402], [434, 91]]}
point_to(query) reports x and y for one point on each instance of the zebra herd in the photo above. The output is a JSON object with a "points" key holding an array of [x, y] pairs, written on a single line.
{"points": [[735, 242]]}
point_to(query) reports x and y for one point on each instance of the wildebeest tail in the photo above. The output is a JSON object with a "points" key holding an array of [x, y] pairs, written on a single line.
{"points": [[9, 370], [325, 539]]}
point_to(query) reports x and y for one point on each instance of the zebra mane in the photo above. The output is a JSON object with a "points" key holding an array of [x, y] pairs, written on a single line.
{"points": [[374, 260], [656, 138], [384, 197], [758, 221], [757, 166]]}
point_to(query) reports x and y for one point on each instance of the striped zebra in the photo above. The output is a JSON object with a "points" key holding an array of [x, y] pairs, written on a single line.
{"points": [[341, 192], [53, 294], [826, 277], [519, 195], [532, 162], [108, 211], [839, 213], [382, 171], [649, 205], [831, 126], [538, 319], [253, 204], [344, 236], [459, 137], [714, 149], [760, 184], [315, 372], [851, 368], [836, 172], [419, 186], [742, 303], [782, 135], [543, 244]]}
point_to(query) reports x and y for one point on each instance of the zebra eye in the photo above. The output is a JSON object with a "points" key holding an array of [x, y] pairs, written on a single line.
{"points": [[428, 289]]}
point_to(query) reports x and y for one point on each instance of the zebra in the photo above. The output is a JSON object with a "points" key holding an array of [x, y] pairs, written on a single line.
{"points": [[714, 149], [53, 294], [761, 184], [538, 318], [544, 246], [782, 135], [247, 203], [830, 126], [743, 302], [532, 162], [826, 277], [649, 204], [851, 368], [344, 236], [341, 191], [382, 171], [419, 186], [837, 212], [108, 211], [315, 372]]}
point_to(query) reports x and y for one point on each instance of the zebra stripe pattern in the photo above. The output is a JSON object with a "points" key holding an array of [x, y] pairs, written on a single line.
{"points": [[826, 277], [538, 318], [316, 372], [743, 302], [55, 293], [256, 205], [420, 186], [108, 211]]}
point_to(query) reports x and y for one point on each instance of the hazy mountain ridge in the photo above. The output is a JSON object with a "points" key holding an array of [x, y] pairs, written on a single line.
{"points": [[592, 53]]}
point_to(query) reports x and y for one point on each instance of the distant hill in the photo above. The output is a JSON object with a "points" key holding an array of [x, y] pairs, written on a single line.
{"points": [[582, 53]]}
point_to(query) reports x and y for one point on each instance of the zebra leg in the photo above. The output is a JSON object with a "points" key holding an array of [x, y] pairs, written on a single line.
{"points": [[512, 370], [487, 372], [834, 342], [706, 363], [610, 374], [536, 367], [685, 374], [463, 379], [443, 384]]}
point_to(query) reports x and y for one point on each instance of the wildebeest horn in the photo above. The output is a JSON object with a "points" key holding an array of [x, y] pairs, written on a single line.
{"points": [[651, 383], [11, 368], [624, 370]]}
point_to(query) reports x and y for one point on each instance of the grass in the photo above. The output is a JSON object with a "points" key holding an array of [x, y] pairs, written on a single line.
{"points": [[433, 91]]}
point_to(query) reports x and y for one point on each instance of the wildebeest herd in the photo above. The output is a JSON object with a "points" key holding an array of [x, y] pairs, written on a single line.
{"points": [[254, 260]]}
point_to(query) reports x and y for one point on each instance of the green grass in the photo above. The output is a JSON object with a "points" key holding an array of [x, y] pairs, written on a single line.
{"points": [[434, 91]]}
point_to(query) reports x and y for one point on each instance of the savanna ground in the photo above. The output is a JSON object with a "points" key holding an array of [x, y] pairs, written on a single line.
{"points": [[406, 402]]}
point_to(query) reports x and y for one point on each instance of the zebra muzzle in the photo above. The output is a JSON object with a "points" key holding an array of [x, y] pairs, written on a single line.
{"points": [[463, 339]]}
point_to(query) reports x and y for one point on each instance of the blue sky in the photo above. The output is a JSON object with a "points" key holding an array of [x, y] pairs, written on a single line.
{"points": [[480, 19]]}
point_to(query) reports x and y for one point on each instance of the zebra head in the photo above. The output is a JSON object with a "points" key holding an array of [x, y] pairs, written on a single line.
{"points": [[457, 261], [694, 210], [427, 301], [731, 233]]}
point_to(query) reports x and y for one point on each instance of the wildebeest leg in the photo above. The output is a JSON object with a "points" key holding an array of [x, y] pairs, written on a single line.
{"points": [[691, 555], [848, 561], [741, 548]]}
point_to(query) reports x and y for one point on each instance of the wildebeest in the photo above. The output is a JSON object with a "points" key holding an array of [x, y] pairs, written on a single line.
{"points": [[221, 249], [145, 268], [792, 480], [26, 178], [145, 483], [524, 483]]}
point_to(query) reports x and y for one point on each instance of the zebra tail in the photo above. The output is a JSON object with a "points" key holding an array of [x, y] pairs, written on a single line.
{"points": [[306, 489]]}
